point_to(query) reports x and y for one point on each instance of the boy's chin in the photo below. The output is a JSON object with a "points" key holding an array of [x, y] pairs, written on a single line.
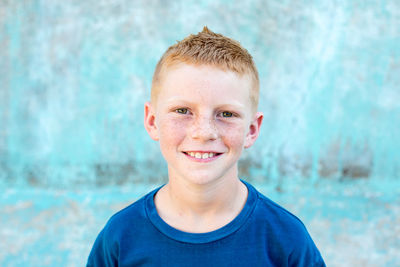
{"points": [[203, 179]]}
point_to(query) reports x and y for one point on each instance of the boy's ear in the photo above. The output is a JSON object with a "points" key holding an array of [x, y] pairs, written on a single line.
{"points": [[254, 130], [150, 121]]}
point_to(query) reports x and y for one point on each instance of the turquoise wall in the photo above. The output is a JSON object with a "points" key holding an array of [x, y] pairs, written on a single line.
{"points": [[74, 76]]}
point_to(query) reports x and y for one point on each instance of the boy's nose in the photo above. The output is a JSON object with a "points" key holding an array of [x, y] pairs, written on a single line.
{"points": [[205, 129]]}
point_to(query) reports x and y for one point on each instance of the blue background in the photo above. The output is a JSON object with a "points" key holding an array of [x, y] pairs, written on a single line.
{"points": [[74, 76]]}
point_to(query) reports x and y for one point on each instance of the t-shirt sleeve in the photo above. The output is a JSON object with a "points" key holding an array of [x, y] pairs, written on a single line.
{"points": [[103, 253], [306, 253]]}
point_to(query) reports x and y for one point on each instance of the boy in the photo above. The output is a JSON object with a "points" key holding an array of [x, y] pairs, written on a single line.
{"points": [[203, 111]]}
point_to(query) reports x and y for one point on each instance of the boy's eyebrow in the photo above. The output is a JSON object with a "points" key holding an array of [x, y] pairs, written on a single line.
{"points": [[233, 104], [176, 99]]}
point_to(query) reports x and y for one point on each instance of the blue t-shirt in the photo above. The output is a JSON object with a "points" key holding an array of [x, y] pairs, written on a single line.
{"points": [[263, 234]]}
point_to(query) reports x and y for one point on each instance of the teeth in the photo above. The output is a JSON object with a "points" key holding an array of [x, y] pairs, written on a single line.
{"points": [[199, 155]]}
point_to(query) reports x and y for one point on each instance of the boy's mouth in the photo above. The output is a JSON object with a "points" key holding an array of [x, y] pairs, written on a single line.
{"points": [[201, 155]]}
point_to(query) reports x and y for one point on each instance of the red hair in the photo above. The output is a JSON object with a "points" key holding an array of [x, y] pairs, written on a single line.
{"points": [[208, 48]]}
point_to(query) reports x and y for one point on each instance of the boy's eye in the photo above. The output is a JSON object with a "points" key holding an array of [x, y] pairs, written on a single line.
{"points": [[227, 114], [181, 110]]}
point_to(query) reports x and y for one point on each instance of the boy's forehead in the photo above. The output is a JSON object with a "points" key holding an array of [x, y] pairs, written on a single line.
{"points": [[192, 83], [202, 75]]}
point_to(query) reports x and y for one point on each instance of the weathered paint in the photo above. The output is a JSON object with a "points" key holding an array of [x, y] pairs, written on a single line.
{"points": [[74, 77]]}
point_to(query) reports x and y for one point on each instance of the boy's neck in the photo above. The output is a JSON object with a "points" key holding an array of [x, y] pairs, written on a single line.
{"points": [[200, 208]]}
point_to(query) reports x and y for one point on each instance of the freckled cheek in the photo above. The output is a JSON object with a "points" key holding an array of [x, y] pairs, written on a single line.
{"points": [[232, 135], [172, 131]]}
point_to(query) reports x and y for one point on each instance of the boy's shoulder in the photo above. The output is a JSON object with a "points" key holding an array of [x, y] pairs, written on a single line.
{"points": [[272, 215], [123, 230], [131, 217], [285, 233], [275, 215]]}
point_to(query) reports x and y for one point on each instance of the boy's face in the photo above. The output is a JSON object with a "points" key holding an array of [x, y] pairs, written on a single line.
{"points": [[203, 119]]}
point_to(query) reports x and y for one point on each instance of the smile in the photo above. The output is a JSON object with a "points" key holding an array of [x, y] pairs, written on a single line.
{"points": [[201, 155]]}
